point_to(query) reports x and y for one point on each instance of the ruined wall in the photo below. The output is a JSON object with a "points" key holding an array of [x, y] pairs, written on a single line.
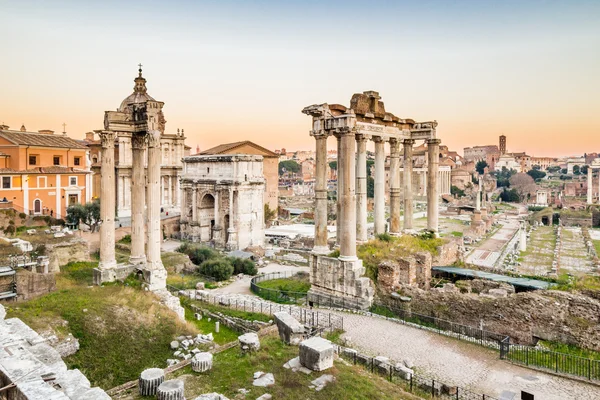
{"points": [[32, 284], [449, 253], [170, 226], [549, 315], [63, 253]]}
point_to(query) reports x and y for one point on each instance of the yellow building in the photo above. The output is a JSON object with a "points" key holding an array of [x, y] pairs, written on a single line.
{"points": [[42, 173]]}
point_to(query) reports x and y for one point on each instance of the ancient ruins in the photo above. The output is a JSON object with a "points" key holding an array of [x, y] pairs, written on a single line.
{"points": [[141, 118], [340, 279]]}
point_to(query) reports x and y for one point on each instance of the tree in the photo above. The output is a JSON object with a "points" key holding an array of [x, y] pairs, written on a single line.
{"points": [[269, 214], [523, 184], [536, 174], [584, 170], [576, 170], [503, 177], [288, 166], [455, 191], [510, 196], [333, 165], [481, 166], [553, 169], [370, 187], [563, 171], [88, 213]]}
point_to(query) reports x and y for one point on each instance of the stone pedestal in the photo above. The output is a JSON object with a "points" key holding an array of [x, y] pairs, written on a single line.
{"points": [[170, 390], [202, 362], [316, 354], [249, 342], [290, 330], [379, 209], [150, 380], [339, 283]]}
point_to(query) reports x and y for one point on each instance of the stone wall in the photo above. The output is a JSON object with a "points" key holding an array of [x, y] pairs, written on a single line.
{"points": [[63, 253], [550, 315], [449, 253], [170, 226], [32, 284]]}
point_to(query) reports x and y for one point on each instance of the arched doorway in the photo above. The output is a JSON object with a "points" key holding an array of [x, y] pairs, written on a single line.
{"points": [[207, 217], [37, 206]]}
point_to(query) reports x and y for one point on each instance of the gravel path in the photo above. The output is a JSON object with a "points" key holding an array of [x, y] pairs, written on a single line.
{"points": [[458, 363]]}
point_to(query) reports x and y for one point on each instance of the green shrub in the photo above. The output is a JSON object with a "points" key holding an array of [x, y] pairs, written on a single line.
{"points": [[386, 237], [220, 269], [22, 215], [125, 239], [9, 230], [11, 222], [41, 250], [201, 254], [243, 266]]}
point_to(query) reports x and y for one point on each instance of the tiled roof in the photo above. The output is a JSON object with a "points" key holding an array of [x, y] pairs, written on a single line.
{"points": [[41, 140], [225, 148], [46, 170]]}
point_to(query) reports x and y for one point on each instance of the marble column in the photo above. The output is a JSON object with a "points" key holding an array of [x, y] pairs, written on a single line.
{"points": [[107, 205], [320, 244], [155, 274], [590, 185], [347, 173], [138, 188], [591, 170], [478, 198], [379, 185], [339, 223], [183, 206], [394, 186], [433, 148], [231, 233], [194, 203], [407, 180], [361, 188]]}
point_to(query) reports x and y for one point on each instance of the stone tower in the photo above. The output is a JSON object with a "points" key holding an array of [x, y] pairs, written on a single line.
{"points": [[502, 145]]}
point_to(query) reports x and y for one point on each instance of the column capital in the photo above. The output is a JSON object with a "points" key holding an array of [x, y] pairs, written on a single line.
{"points": [[361, 137], [319, 134], [138, 141], [379, 139], [394, 147], [408, 142], [434, 141], [344, 131], [107, 139], [153, 138]]}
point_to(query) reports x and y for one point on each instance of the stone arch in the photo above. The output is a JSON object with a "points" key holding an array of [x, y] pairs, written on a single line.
{"points": [[206, 211]]}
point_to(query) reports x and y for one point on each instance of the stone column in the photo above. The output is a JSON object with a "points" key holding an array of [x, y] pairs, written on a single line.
{"points": [[138, 188], [379, 185], [107, 205], [598, 184], [433, 147], [183, 206], [394, 186], [347, 172], [361, 188], [407, 180], [155, 275], [339, 223], [194, 203], [232, 239], [590, 185], [320, 245]]}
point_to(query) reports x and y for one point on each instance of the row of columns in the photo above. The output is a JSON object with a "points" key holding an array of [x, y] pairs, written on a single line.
{"points": [[590, 185], [352, 189], [140, 198]]}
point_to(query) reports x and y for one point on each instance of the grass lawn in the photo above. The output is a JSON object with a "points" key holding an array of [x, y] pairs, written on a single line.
{"points": [[121, 329], [597, 246], [299, 284], [246, 315], [233, 371]]}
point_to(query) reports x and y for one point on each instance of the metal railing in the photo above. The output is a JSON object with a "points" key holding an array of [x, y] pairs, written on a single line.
{"points": [[277, 295], [419, 384], [559, 363]]}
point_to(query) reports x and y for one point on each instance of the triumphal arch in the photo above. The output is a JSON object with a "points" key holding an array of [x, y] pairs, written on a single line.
{"points": [[341, 279]]}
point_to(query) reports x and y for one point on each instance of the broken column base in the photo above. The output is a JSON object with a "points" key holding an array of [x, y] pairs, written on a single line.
{"points": [[154, 278], [339, 283], [117, 273]]}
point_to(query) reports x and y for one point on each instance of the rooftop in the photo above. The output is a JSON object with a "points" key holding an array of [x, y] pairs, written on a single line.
{"points": [[40, 139], [228, 148]]}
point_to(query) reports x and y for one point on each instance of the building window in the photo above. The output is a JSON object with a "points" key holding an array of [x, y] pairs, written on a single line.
{"points": [[56, 160], [95, 159], [72, 181], [6, 182], [32, 160], [77, 161], [41, 182]]}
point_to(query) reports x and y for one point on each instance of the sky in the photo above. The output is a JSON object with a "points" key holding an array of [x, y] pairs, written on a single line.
{"points": [[243, 70]]}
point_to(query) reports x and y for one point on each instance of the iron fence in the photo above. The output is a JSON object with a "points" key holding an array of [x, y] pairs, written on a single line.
{"points": [[406, 379], [559, 363], [277, 295]]}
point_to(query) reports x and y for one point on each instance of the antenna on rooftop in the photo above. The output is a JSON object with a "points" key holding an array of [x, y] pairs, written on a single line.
{"points": [[64, 128]]}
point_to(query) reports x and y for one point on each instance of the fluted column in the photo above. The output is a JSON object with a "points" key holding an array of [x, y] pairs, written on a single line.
{"points": [[407, 180], [361, 188], [107, 205], [138, 188], [433, 148], [320, 245], [379, 208], [156, 274], [394, 186], [590, 185], [339, 223], [347, 173]]}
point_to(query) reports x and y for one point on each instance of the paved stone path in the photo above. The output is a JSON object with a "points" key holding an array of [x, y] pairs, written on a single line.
{"points": [[487, 252], [456, 362]]}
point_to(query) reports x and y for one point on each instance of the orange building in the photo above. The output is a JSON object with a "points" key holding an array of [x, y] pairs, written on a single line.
{"points": [[42, 173]]}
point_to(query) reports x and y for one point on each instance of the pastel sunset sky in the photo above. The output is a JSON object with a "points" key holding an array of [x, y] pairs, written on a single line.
{"points": [[243, 70]]}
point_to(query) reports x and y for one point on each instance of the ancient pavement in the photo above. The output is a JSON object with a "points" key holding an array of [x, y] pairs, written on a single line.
{"points": [[488, 251], [459, 363]]}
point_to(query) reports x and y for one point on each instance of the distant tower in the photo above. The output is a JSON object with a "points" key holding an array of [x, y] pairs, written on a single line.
{"points": [[197, 149], [502, 144]]}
